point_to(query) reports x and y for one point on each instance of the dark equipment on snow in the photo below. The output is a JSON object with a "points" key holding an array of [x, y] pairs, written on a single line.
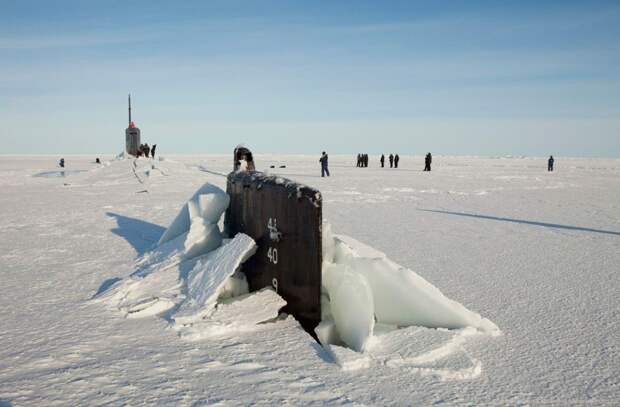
{"points": [[132, 135], [241, 154], [284, 218]]}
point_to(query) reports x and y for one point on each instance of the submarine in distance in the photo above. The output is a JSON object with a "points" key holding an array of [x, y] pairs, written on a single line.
{"points": [[284, 218], [132, 134]]}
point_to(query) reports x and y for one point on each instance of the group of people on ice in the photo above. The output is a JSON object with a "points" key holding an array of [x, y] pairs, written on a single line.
{"points": [[394, 159], [362, 161], [145, 150]]}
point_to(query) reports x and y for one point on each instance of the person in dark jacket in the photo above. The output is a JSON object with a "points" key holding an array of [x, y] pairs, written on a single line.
{"points": [[323, 161], [153, 150], [62, 163], [550, 163], [427, 162], [396, 159], [382, 161], [391, 158], [359, 160]]}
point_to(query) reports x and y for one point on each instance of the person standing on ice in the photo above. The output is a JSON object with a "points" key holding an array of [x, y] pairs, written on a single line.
{"points": [[323, 161], [382, 161], [62, 163], [391, 160], [550, 163], [427, 162], [153, 150], [396, 159]]}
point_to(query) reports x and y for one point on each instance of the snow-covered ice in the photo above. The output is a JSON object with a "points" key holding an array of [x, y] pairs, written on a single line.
{"points": [[362, 285], [537, 253], [351, 304], [208, 203], [209, 275]]}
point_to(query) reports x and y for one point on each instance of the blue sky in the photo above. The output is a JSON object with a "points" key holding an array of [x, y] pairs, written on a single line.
{"points": [[453, 77]]}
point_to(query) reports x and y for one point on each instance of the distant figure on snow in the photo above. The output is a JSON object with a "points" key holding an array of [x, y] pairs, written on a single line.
{"points": [[391, 160], [550, 163], [396, 159], [382, 161], [97, 160], [427, 162], [147, 150], [62, 163], [153, 150], [359, 160], [323, 160]]}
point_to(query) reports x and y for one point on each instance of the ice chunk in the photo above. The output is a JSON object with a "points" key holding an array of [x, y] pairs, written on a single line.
{"points": [[361, 249], [258, 307], [328, 243], [235, 286], [327, 333], [240, 315], [209, 202], [206, 280], [202, 238], [208, 206], [142, 295], [351, 303], [401, 297], [404, 298]]}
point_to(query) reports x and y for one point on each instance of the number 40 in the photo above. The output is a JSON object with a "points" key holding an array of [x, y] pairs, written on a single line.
{"points": [[272, 255]]}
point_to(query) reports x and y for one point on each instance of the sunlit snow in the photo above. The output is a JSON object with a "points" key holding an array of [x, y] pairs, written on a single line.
{"points": [[89, 297]]}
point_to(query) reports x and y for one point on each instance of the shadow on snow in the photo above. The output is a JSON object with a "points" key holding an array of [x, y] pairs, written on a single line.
{"points": [[103, 288], [526, 222], [139, 234]]}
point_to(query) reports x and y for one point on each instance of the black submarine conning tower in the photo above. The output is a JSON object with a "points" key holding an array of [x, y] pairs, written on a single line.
{"points": [[284, 218], [132, 134]]}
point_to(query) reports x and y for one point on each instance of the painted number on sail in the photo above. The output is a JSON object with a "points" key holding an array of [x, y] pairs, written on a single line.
{"points": [[272, 255]]}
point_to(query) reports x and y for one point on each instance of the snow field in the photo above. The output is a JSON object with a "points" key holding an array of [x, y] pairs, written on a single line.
{"points": [[536, 253], [358, 290]]}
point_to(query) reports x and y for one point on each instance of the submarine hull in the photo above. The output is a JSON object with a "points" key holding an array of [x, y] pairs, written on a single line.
{"points": [[284, 218]]}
